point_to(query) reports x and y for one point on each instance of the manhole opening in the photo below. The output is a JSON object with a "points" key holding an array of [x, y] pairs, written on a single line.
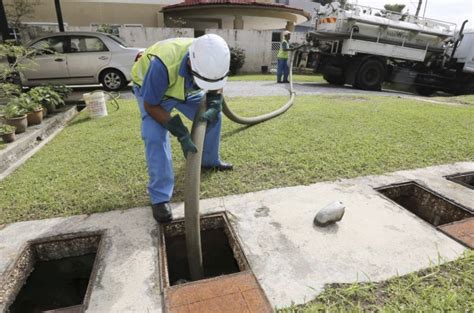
{"points": [[425, 203], [53, 274], [221, 251], [465, 179]]}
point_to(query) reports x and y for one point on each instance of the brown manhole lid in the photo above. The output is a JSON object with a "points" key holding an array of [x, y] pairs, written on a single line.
{"points": [[462, 231], [231, 293], [228, 284]]}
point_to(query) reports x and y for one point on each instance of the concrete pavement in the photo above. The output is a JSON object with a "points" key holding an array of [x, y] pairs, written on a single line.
{"points": [[292, 259], [265, 88]]}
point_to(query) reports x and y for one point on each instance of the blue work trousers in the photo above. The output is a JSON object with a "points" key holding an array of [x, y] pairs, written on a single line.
{"points": [[282, 70], [158, 149]]}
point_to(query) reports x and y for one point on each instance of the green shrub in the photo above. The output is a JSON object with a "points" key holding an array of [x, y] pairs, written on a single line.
{"points": [[14, 109], [8, 90], [27, 103], [62, 90], [237, 59], [47, 97], [7, 129]]}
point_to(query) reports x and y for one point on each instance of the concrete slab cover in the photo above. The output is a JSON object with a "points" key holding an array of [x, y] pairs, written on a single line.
{"points": [[292, 259], [463, 231]]}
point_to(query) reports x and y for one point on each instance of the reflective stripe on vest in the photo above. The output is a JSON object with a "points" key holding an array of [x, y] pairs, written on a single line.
{"points": [[281, 53], [171, 52]]}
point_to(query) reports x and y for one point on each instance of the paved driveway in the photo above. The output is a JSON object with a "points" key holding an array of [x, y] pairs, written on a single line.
{"points": [[264, 88]]}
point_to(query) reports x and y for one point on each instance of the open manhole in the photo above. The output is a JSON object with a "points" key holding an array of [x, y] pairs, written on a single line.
{"points": [[425, 203], [465, 179], [221, 252], [228, 281], [52, 275]]}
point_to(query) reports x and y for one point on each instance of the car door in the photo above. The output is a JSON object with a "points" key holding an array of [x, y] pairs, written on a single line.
{"points": [[49, 62], [86, 56]]}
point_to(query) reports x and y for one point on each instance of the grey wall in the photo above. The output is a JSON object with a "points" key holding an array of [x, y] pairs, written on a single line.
{"points": [[256, 43]]}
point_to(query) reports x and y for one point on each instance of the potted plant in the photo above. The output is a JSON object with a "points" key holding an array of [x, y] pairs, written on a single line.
{"points": [[7, 132], [48, 98], [61, 90], [34, 110], [15, 115]]}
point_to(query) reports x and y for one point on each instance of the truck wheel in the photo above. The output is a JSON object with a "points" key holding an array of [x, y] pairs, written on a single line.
{"points": [[334, 80], [424, 91], [371, 75]]}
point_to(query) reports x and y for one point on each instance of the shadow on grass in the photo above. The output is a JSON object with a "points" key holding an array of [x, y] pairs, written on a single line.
{"points": [[79, 121], [237, 131]]}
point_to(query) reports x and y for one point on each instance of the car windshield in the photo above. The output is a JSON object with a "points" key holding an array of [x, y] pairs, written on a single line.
{"points": [[118, 40]]}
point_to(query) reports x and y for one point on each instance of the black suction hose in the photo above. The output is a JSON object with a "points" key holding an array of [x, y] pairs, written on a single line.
{"points": [[265, 117], [191, 196], [193, 175]]}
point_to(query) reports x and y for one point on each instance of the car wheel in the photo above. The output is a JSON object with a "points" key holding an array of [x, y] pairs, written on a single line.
{"points": [[371, 75], [112, 80]]}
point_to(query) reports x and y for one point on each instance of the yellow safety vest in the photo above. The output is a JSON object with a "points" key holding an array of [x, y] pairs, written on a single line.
{"points": [[281, 53], [171, 52]]}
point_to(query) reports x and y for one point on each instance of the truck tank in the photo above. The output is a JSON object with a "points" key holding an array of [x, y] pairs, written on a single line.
{"points": [[334, 22]]}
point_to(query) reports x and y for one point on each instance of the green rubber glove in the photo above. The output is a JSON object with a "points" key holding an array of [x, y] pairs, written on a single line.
{"points": [[214, 107], [176, 128]]}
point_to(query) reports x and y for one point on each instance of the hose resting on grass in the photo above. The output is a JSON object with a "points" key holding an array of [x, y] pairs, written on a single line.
{"points": [[193, 175]]}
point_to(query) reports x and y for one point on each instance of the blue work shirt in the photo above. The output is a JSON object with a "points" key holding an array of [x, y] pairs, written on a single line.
{"points": [[155, 83]]}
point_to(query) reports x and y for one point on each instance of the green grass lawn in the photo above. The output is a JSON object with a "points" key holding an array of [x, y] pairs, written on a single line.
{"points": [[445, 288], [98, 165], [302, 78]]}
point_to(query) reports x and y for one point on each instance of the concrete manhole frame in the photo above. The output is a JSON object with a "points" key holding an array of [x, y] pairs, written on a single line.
{"points": [[51, 248], [457, 178], [460, 206], [208, 221]]}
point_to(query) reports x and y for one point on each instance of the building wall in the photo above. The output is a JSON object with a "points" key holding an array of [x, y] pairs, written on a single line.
{"points": [[147, 36], [76, 13], [256, 43], [87, 12]]}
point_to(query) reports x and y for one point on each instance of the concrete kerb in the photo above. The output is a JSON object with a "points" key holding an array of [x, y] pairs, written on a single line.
{"points": [[292, 259], [16, 153]]}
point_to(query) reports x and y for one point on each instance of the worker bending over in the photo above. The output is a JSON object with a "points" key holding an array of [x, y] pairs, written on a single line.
{"points": [[175, 74]]}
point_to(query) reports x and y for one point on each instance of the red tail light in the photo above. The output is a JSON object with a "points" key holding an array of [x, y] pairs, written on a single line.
{"points": [[139, 55]]}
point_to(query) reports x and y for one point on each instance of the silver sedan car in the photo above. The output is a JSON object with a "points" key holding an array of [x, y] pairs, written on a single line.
{"points": [[81, 58]]}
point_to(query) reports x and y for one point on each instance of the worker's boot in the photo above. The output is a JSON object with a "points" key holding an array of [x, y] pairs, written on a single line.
{"points": [[162, 212], [221, 167]]}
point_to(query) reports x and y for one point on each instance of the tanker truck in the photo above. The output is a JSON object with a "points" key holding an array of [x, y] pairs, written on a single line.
{"points": [[365, 47]]}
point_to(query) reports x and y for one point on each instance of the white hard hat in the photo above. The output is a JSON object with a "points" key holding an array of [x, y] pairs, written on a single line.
{"points": [[210, 60]]}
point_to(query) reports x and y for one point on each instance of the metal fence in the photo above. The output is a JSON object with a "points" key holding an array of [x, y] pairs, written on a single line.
{"points": [[275, 49]]}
